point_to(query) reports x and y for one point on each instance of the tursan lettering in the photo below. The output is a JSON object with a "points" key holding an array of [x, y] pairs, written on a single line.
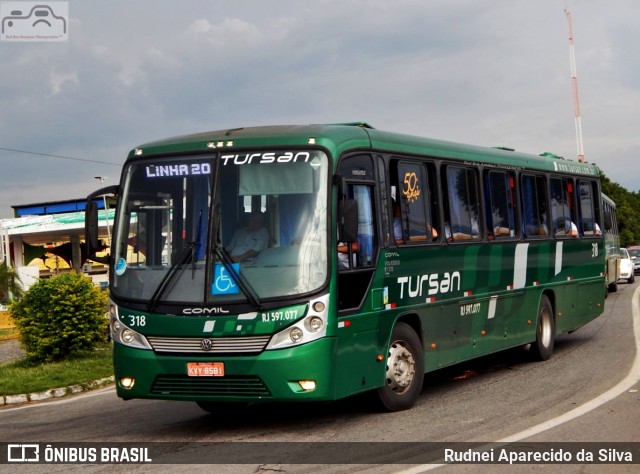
{"points": [[573, 168], [418, 285], [261, 158]]}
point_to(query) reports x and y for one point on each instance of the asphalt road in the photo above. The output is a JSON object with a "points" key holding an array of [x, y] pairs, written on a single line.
{"points": [[574, 397]]}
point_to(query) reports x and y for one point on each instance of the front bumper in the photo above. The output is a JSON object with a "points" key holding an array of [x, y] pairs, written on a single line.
{"points": [[271, 375]]}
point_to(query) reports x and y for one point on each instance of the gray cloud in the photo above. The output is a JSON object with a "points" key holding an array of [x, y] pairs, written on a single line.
{"points": [[483, 72]]}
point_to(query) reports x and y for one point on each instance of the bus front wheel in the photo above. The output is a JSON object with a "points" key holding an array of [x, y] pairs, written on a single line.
{"points": [[542, 348], [405, 370]]}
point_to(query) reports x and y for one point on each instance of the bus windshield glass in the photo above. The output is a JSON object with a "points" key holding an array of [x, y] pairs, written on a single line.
{"points": [[225, 228]]}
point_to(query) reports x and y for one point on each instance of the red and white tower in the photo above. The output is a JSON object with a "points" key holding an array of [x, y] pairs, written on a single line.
{"points": [[574, 85]]}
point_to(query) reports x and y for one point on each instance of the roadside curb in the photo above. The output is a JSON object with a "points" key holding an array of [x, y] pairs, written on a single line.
{"points": [[54, 392]]}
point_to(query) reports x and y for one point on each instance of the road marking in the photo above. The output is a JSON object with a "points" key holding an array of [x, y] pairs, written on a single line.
{"points": [[623, 386]]}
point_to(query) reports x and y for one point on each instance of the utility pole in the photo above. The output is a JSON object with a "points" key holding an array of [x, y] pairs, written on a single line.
{"points": [[574, 85]]}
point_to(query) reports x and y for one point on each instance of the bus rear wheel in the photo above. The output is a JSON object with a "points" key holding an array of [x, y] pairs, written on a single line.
{"points": [[542, 348], [405, 370]]}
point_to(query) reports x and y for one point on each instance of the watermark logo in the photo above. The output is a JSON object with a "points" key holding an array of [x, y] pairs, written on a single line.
{"points": [[23, 452], [78, 453], [34, 21]]}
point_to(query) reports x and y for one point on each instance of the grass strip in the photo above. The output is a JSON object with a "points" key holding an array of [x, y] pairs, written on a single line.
{"points": [[25, 377]]}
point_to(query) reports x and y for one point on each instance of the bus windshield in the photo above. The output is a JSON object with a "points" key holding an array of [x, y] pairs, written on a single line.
{"points": [[227, 228]]}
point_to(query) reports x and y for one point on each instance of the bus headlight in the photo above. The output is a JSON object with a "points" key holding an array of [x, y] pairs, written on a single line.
{"points": [[307, 385], [127, 383], [296, 335], [122, 334], [312, 327], [127, 336], [314, 323], [115, 327]]}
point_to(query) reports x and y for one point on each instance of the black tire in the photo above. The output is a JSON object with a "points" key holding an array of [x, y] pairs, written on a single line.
{"points": [[613, 287], [405, 370], [542, 348], [632, 278]]}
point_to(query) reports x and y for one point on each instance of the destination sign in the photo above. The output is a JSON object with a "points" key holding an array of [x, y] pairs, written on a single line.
{"points": [[178, 169]]}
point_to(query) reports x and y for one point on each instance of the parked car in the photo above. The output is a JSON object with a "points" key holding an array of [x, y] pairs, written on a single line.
{"points": [[634, 253], [626, 266]]}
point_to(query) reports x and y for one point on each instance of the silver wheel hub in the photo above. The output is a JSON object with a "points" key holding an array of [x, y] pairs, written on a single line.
{"points": [[401, 367], [545, 329]]}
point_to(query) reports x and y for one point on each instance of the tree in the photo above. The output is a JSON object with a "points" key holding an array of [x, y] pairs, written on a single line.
{"points": [[61, 316], [627, 211], [10, 284]]}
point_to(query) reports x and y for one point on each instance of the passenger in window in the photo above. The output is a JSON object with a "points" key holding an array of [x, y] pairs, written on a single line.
{"points": [[249, 241], [596, 230], [434, 232], [423, 232], [498, 229], [567, 228], [343, 254], [591, 228], [539, 230], [460, 233], [501, 231]]}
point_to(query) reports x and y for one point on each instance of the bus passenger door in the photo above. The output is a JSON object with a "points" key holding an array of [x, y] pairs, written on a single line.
{"points": [[356, 253], [356, 258]]}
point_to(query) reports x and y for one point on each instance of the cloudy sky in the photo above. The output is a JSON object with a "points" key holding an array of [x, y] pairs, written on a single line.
{"points": [[486, 72]]}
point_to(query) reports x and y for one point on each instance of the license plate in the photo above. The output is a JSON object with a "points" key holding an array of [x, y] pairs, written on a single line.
{"points": [[205, 369]]}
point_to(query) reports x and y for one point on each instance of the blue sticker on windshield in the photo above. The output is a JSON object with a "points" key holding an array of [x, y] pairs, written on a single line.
{"points": [[223, 283], [121, 266]]}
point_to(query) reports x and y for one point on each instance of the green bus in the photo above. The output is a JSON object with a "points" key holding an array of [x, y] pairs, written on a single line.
{"points": [[308, 263], [611, 244]]}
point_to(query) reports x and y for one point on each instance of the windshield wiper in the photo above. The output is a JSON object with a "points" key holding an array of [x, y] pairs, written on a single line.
{"points": [[240, 280], [227, 261], [184, 256]]}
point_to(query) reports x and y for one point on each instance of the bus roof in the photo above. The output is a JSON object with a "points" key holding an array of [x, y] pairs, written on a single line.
{"points": [[338, 138]]}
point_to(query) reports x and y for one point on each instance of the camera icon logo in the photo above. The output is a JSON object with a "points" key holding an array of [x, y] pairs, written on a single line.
{"points": [[31, 21], [23, 452]]}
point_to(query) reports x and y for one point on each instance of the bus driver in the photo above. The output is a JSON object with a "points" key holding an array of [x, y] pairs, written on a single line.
{"points": [[249, 241]]}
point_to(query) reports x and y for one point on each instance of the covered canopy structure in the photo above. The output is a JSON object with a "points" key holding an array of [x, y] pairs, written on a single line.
{"points": [[53, 228]]}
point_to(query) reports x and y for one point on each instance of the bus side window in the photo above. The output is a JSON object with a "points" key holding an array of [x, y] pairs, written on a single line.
{"points": [[463, 198], [588, 212], [563, 213], [412, 219], [534, 206], [500, 197], [361, 252]]}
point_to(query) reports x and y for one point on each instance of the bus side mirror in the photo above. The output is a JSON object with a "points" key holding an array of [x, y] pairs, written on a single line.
{"points": [[91, 211], [348, 221], [91, 230]]}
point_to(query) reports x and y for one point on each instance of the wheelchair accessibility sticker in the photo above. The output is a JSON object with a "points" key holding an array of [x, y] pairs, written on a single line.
{"points": [[223, 283], [34, 21]]}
